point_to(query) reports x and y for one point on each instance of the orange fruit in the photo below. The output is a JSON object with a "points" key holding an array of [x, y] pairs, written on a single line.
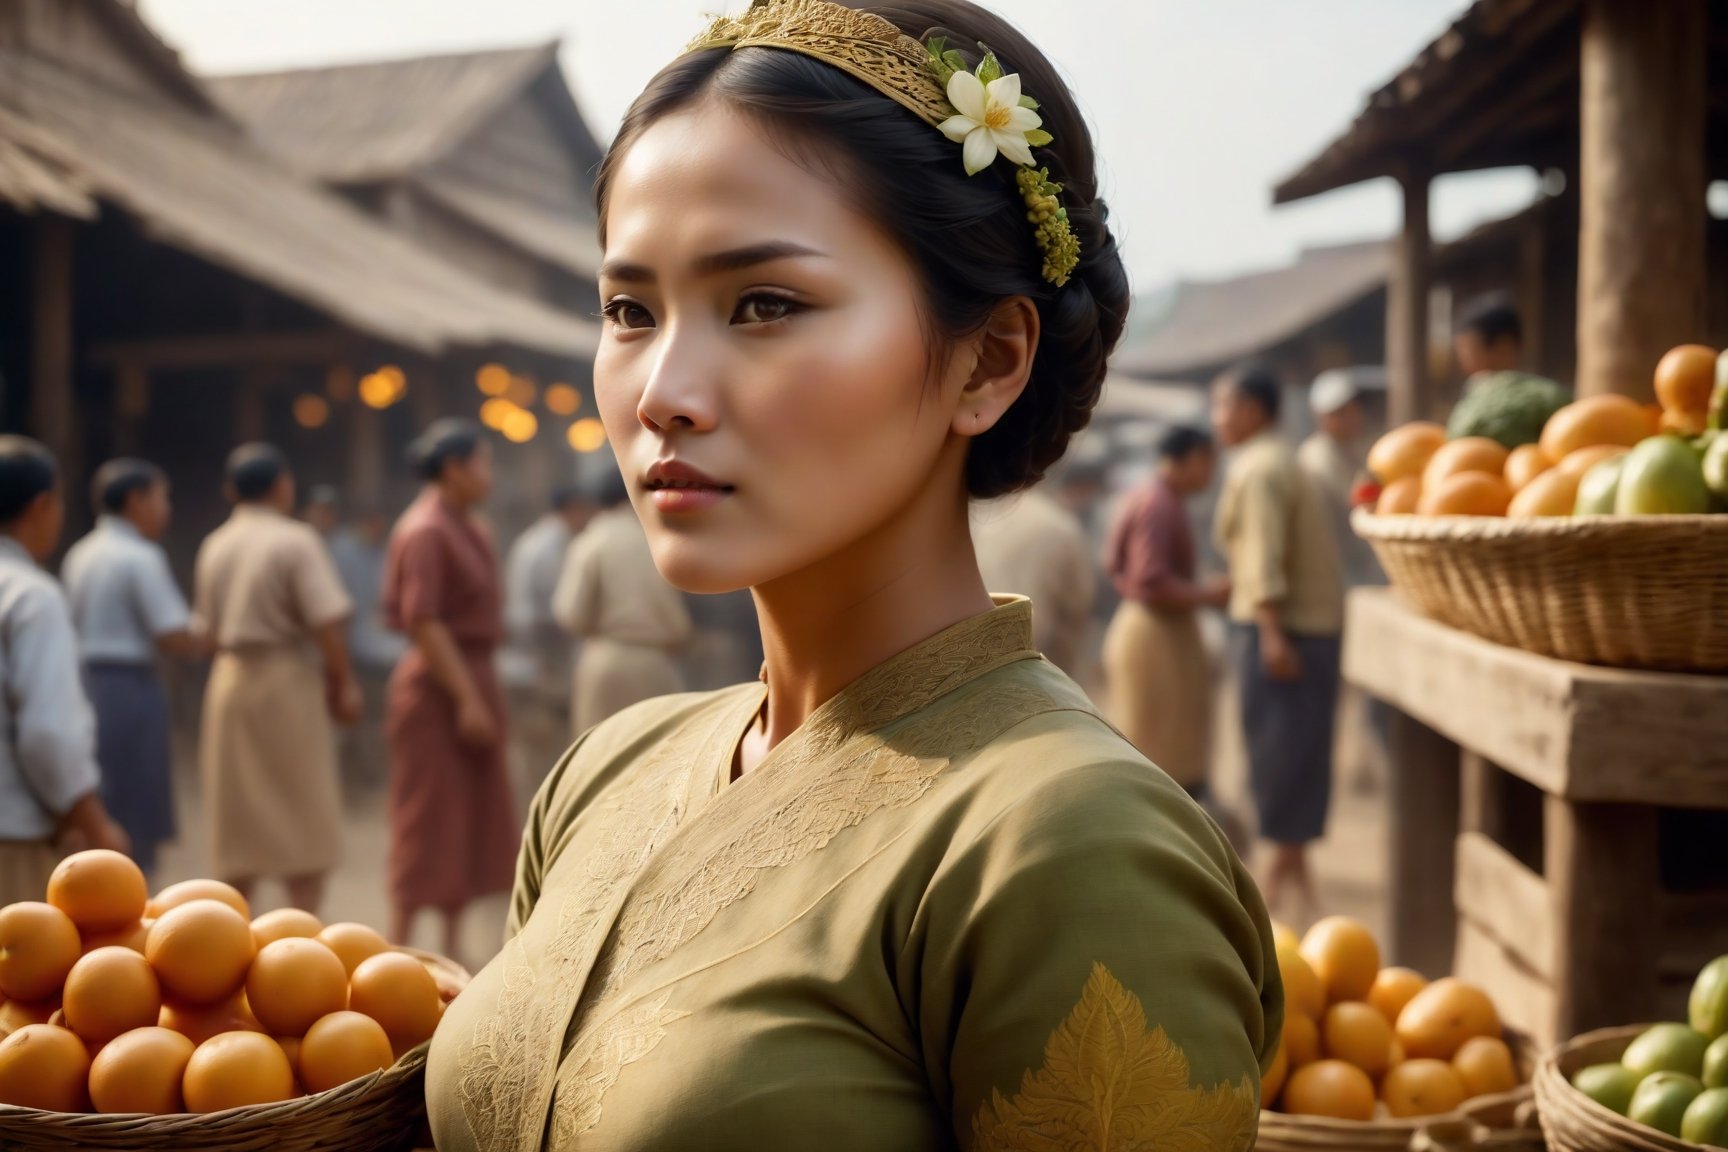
{"points": [[1525, 463], [1400, 497], [201, 950], [236, 1069], [100, 890], [1438, 1019], [397, 991], [1283, 934], [1595, 420], [1466, 494], [290, 1046], [1301, 1039], [1303, 992], [44, 1067], [1355, 1032], [1343, 954], [1397, 1056], [38, 946], [141, 1072], [1330, 1088], [1422, 1088], [1272, 1082], [1393, 988], [1405, 451], [187, 891], [199, 1022], [16, 1014], [343, 1046], [353, 943], [285, 923], [294, 982], [1486, 1066], [1579, 462], [131, 936], [1554, 493], [1684, 423], [1468, 454], [1685, 378], [110, 991]]}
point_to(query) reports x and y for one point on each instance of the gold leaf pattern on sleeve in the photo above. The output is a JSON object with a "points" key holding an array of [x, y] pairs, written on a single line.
{"points": [[1109, 1085]]}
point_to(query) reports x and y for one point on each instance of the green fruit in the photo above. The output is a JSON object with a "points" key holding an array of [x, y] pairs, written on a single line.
{"points": [[1610, 1085], [1662, 476], [1706, 1119], [1597, 490], [1707, 1007], [1715, 466], [1716, 1063], [1661, 1101], [1666, 1048]]}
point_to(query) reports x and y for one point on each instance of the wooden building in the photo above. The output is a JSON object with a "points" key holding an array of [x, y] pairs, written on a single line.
{"points": [[168, 289]]}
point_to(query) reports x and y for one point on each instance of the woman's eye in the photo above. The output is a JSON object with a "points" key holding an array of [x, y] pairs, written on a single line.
{"points": [[763, 308], [627, 314]]}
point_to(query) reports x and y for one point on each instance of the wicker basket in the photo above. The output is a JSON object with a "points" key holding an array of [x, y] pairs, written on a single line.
{"points": [[1628, 591], [383, 1112], [1576, 1123]]}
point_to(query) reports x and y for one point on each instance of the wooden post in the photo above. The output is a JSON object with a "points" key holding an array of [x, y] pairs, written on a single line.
{"points": [[53, 415], [1423, 845], [1642, 182], [1410, 391], [1603, 874], [1533, 288]]}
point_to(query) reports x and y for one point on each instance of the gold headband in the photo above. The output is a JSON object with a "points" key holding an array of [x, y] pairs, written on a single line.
{"points": [[923, 80]]}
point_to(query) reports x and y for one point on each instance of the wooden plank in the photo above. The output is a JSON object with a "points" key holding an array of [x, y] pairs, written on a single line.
{"points": [[1422, 837], [1477, 810], [1575, 730], [228, 350], [1641, 240], [1507, 901], [1524, 1000], [1603, 875], [1407, 306]]}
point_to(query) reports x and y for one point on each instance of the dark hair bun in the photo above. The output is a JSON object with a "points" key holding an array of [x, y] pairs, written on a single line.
{"points": [[968, 235]]}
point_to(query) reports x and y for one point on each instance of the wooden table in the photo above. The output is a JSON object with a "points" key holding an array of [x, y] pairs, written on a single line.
{"points": [[1531, 798]]}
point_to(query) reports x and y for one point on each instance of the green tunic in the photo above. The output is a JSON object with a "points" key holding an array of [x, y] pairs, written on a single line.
{"points": [[954, 910]]}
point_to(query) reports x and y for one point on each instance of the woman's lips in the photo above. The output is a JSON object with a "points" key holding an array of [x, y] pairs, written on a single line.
{"points": [[678, 487]]}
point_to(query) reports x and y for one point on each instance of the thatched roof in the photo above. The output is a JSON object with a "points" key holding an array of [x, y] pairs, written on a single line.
{"points": [[359, 123], [69, 141], [565, 239], [1216, 322]]}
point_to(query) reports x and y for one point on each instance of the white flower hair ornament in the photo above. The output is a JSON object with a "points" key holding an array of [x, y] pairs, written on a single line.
{"points": [[993, 117]]}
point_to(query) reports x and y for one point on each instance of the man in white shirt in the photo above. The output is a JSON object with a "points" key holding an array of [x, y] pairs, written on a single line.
{"points": [[127, 609], [50, 798]]}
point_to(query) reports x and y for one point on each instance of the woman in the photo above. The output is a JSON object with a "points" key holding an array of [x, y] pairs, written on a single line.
{"points": [[452, 832], [910, 891]]}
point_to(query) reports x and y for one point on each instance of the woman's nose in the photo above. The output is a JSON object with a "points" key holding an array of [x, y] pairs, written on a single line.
{"points": [[682, 389]]}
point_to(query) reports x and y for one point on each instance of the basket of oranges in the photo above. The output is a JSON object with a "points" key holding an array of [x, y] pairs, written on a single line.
{"points": [[179, 1022], [1379, 1059]]}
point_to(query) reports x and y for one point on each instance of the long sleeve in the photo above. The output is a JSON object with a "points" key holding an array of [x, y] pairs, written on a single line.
{"points": [[318, 590], [53, 729], [160, 605], [1096, 970], [1259, 557]]}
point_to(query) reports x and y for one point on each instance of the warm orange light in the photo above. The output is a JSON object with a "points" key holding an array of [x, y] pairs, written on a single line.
{"points": [[383, 388], [311, 410], [563, 400], [339, 383], [586, 435], [520, 426], [493, 379], [523, 391], [495, 412]]}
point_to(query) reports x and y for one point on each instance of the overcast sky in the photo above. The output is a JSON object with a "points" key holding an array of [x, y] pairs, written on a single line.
{"points": [[1199, 106]]}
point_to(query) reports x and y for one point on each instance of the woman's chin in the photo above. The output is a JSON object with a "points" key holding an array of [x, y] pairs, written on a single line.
{"points": [[701, 575]]}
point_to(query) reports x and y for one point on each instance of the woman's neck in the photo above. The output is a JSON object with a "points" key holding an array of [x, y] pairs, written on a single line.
{"points": [[825, 627], [448, 497]]}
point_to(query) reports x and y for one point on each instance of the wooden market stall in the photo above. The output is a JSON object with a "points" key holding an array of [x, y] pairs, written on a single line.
{"points": [[1557, 826]]}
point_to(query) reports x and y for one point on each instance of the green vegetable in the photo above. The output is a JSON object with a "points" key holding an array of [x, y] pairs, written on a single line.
{"points": [[1510, 407]]}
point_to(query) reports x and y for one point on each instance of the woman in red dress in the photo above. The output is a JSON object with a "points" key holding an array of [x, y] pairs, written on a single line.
{"points": [[453, 832]]}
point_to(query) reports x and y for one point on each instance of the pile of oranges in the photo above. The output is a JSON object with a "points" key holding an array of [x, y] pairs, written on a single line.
{"points": [[119, 1003], [1362, 1042]]}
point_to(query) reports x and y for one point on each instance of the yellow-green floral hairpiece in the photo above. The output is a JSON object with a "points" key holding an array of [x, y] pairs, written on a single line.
{"points": [[983, 111]]}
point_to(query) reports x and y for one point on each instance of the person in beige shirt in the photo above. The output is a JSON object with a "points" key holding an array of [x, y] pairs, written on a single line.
{"points": [[630, 620], [1287, 616], [268, 595], [1032, 546]]}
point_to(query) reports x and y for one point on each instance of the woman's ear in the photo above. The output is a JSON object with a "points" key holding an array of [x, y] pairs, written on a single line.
{"points": [[1005, 348]]}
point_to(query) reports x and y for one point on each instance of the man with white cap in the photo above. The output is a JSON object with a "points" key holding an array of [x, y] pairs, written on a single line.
{"points": [[1335, 456]]}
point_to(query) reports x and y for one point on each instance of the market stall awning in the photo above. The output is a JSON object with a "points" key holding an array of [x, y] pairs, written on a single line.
{"points": [[68, 141]]}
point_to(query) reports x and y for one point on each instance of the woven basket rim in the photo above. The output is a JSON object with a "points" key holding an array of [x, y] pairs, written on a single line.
{"points": [[145, 1125], [1371, 526], [1553, 1081]]}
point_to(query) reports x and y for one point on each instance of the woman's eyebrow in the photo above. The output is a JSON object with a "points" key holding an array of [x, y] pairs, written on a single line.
{"points": [[731, 260]]}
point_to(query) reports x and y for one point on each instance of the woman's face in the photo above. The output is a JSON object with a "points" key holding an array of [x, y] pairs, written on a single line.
{"points": [[763, 377], [472, 477]]}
